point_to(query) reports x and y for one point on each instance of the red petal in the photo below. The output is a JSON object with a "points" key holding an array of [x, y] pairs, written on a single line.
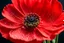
{"points": [[12, 14], [50, 30], [55, 33], [39, 8], [21, 35], [21, 41], [49, 26], [58, 31], [52, 37], [4, 31], [43, 31], [20, 5], [8, 24], [56, 9], [59, 21], [16, 4], [47, 34], [34, 41], [38, 36], [53, 11], [5, 35], [27, 5], [51, 0]]}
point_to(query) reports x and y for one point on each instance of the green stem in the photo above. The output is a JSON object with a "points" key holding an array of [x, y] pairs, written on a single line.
{"points": [[44, 42], [53, 41], [56, 40], [48, 41]]}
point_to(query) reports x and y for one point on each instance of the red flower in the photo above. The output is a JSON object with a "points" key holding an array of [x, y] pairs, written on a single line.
{"points": [[32, 20]]}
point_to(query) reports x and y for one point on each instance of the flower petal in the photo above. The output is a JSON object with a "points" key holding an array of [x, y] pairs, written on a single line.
{"points": [[53, 11], [21, 35], [50, 30], [56, 8], [38, 36], [51, 27], [16, 4], [39, 8], [27, 5], [12, 14], [34, 41], [8, 24], [21, 41], [20, 5], [59, 21], [48, 35], [52, 37], [58, 31], [43, 31], [5, 32]]}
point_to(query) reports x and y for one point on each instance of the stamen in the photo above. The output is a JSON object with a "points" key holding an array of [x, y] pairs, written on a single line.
{"points": [[31, 21]]}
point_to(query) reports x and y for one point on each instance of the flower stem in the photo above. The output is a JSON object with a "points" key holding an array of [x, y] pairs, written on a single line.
{"points": [[44, 42], [53, 41], [56, 39], [48, 41]]}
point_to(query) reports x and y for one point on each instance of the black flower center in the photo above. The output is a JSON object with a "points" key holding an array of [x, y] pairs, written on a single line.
{"points": [[32, 20]]}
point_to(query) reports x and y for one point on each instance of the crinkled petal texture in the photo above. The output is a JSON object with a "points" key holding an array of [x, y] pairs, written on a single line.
{"points": [[51, 20], [19, 41], [24, 35]]}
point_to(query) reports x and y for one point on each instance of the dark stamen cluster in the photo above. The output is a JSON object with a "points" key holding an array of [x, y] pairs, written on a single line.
{"points": [[32, 20]]}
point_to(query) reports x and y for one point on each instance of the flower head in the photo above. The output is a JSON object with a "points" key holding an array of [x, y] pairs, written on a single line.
{"points": [[29, 20]]}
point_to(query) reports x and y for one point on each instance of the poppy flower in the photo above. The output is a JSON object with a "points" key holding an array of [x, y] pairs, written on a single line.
{"points": [[29, 20]]}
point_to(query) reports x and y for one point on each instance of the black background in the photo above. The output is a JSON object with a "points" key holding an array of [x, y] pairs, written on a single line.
{"points": [[4, 3]]}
